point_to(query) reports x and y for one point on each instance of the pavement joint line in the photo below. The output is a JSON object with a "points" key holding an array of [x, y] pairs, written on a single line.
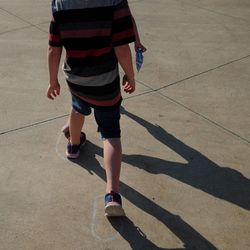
{"points": [[55, 118], [204, 117], [189, 109], [17, 29], [24, 27], [193, 111], [33, 124], [207, 9], [141, 94], [216, 12], [192, 76], [134, 96], [23, 20], [195, 75]]}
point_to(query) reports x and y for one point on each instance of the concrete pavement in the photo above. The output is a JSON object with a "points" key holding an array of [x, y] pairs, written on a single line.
{"points": [[185, 177]]}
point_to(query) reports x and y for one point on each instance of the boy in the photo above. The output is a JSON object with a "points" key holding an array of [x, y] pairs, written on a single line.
{"points": [[137, 45], [95, 35]]}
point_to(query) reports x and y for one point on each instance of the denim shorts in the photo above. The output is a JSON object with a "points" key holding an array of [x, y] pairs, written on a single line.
{"points": [[108, 121]]}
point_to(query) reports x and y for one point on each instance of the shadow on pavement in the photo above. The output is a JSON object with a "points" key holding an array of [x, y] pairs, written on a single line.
{"points": [[200, 172], [190, 237], [132, 234]]}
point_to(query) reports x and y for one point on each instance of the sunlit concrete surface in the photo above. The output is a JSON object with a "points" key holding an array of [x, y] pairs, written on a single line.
{"points": [[185, 178]]}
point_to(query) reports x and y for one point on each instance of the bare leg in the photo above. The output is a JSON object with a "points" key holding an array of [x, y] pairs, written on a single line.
{"points": [[75, 126], [112, 161]]}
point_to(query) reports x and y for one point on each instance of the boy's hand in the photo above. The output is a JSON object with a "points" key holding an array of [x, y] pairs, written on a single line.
{"points": [[139, 45], [53, 90], [128, 84]]}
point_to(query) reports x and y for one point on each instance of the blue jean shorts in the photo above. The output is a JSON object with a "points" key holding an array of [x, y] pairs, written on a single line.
{"points": [[108, 121]]}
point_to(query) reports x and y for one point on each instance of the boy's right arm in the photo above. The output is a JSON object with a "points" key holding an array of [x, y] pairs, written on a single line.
{"points": [[54, 56], [123, 54]]}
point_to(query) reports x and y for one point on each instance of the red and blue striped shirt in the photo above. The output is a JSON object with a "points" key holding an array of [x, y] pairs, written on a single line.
{"points": [[89, 31]]}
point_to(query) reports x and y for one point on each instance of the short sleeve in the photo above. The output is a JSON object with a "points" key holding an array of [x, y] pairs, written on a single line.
{"points": [[54, 34], [122, 26]]}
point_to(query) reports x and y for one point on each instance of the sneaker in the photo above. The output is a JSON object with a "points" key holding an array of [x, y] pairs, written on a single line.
{"points": [[113, 205], [73, 151]]}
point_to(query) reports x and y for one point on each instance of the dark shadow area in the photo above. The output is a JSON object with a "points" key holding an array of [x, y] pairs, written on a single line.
{"points": [[132, 234], [189, 236], [200, 172]]}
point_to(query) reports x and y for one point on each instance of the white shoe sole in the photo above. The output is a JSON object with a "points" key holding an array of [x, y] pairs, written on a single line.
{"points": [[114, 209], [74, 156]]}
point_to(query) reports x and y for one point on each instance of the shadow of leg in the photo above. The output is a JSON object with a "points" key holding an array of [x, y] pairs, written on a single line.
{"points": [[132, 234]]}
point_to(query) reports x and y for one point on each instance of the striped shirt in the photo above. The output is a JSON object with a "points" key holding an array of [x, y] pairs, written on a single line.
{"points": [[89, 30]]}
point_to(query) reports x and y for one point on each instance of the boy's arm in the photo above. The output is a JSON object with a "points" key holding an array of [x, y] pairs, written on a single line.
{"points": [[54, 57], [123, 54]]}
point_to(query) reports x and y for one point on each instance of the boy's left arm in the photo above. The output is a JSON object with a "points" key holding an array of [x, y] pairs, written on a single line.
{"points": [[54, 57]]}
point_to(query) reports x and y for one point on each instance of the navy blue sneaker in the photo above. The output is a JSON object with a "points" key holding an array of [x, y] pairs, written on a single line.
{"points": [[73, 151], [113, 205]]}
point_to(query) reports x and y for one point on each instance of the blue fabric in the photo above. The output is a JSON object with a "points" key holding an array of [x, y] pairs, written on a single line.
{"points": [[108, 121], [80, 106], [73, 149], [139, 59], [113, 197]]}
